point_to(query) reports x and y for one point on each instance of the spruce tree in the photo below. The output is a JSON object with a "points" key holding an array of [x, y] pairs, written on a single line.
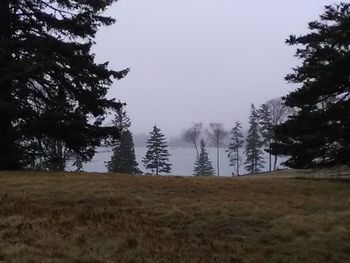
{"points": [[157, 156], [51, 87], [202, 165], [318, 134], [266, 130], [235, 146], [121, 119], [124, 159], [254, 159]]}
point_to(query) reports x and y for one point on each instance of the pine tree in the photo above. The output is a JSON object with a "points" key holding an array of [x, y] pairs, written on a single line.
{"points": [[202, 165], [235, 146], [124, 159], [46, 63], [254, 159], [157, 156], [318, 134], [121, 119], [266, 129], [49, 150]]}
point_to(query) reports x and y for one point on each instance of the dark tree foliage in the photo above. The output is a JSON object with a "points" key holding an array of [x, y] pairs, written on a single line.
{"points": [[124, 158], [254, 159], [51, 89], [233, 150], [157, 156], [266, 129], [318, 134], [202, 165]]}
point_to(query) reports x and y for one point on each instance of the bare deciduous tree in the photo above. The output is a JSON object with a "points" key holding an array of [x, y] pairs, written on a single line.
{"points": [[192, 135], [216, 135], [279, 114]]}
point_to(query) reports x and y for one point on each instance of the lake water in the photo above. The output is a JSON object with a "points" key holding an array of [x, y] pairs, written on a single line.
{"points": [[182, 159]]}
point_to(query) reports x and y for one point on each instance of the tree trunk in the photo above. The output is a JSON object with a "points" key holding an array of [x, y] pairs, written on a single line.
{"points": [[5, 30], [195, 146], [217, 160], [255, 166], [157, 162], [237, 162], [275, 164], [9, 159]]}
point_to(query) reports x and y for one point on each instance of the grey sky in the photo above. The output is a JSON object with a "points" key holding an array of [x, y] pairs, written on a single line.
{"points": [[201, 60]]}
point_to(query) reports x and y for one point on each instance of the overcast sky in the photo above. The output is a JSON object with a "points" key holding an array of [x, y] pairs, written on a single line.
{"points": [[201, 60]]}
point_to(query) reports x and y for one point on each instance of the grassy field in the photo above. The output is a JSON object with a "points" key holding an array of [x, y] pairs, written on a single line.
{"points": [[57, 217]]}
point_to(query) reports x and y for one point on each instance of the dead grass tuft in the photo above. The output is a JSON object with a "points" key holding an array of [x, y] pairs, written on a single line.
{"points": [[65, 217]]}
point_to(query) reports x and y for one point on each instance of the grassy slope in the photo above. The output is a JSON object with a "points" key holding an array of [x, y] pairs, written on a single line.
{"points": [[47, 217]]}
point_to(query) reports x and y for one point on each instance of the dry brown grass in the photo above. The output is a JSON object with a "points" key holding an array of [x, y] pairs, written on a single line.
{"points": [[52, 217]]}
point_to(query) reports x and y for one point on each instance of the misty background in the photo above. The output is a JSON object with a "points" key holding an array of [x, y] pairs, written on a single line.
{"points": [[199, 61]]}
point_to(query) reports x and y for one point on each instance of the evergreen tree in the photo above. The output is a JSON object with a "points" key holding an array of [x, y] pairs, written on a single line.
{"points": [[48, 150], [266, 130], [124, 158], [121, 119], [202, 165], [51, 88], [235, 146], [318, 134], [157, 156], [254, 159]]}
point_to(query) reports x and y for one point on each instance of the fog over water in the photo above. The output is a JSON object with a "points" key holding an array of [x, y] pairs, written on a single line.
{"points": [[201, 60], [182, 159]]}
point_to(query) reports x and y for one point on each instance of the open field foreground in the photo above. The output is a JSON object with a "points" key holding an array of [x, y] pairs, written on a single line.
{"points": [[48, 217]]}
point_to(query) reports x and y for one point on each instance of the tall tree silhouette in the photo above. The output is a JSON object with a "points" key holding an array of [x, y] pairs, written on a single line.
{"points": [[318, 134], [254, 159], [121, 119], [46, 60], [266, 129], [123, 159], [233, 150], [157, 156], [202, 165], [192, 135], [216, 135], [275, 113]]}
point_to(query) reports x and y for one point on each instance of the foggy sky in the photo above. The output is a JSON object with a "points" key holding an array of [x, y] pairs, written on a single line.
{"points": [[201, 60]]}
